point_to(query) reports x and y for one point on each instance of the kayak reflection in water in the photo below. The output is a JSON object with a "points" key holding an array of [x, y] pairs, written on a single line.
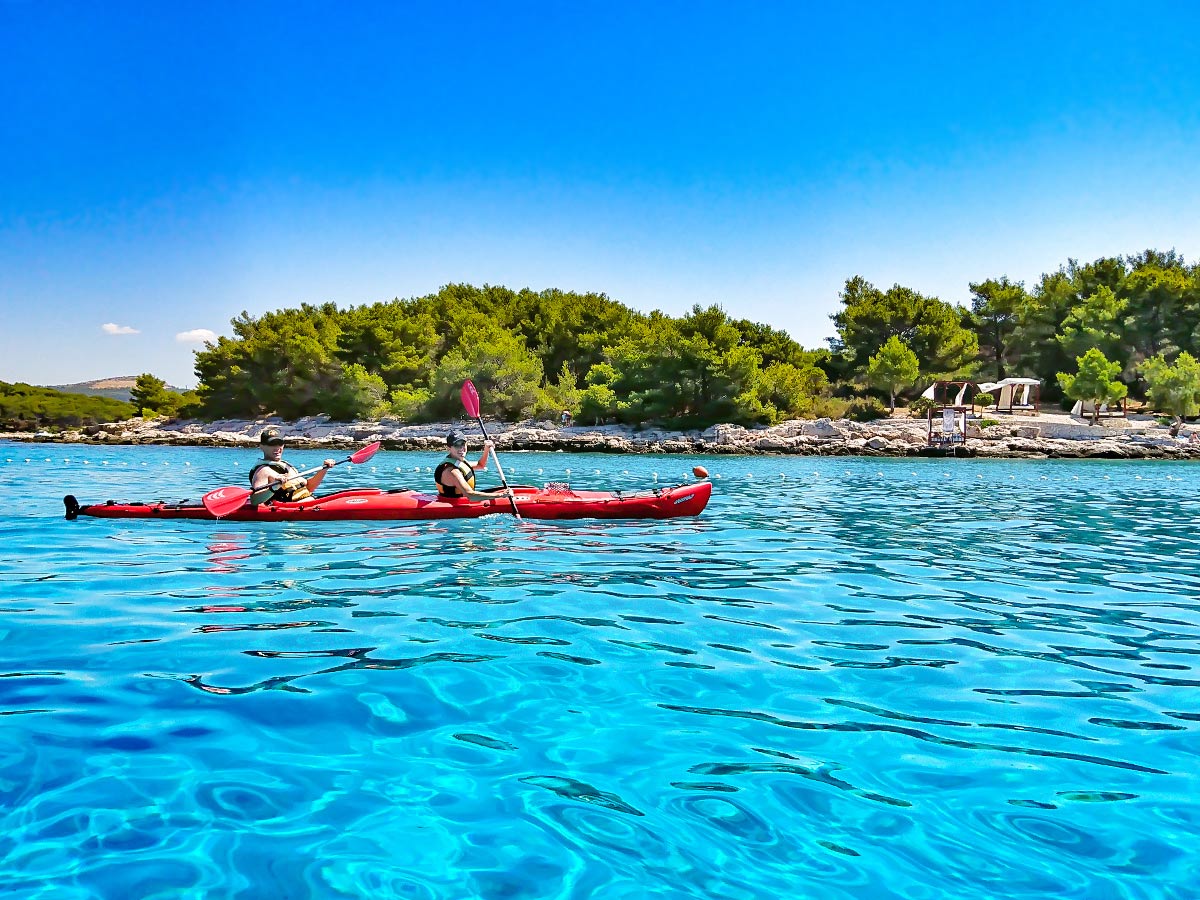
{"points": [[455, 477], [273, 479]]}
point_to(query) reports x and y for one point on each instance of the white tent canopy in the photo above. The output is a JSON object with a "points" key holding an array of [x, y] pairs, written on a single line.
{"points": [[989, 386], [931, 391], [1014, 393]]}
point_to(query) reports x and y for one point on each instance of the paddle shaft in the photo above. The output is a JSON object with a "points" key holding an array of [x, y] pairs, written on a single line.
{"points": [[499, 469]]}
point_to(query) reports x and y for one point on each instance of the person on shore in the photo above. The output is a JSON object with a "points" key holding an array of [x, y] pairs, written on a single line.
{"points": [[455, 477], [274, 480], [565, 418]]}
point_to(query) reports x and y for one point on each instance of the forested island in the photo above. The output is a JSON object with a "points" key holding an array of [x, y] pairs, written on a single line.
{"points": [[1113, 328]]}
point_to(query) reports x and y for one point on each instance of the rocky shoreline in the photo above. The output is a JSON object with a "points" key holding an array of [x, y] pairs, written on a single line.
{"points": [[1047, 436]]}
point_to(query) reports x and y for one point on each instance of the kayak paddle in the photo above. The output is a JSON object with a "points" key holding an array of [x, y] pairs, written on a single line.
{"points": [[470, 399], [225, 500]]}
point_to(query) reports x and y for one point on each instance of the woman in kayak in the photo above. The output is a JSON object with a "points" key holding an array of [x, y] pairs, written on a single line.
{"points": [[455, 477], [273, 479]]}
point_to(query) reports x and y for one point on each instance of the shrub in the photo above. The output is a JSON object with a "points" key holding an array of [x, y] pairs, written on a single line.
{"points": [[988, 423], [830, 408], [919, 407], [868, 409], [408, 404]]}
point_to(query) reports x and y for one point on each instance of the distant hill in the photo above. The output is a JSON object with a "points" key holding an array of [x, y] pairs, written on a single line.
{"points": [[117, 388]]}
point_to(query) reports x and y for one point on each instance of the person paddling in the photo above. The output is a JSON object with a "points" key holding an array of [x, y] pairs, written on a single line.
{"points": [[274, 480], [455, 477]]}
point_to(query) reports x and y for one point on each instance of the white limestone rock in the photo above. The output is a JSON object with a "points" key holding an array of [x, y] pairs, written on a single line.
{"points": [[821, 428]]}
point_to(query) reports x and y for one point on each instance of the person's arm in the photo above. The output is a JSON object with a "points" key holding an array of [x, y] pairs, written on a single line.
{"points": [[456, 478], [263, 478], [320, 476], [266, 482], [481, 463]]}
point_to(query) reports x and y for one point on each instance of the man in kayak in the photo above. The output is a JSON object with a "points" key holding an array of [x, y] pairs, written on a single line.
{"points": [[273, 479], [455, 477]]}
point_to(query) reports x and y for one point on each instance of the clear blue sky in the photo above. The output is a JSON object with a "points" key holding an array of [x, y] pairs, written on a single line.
{"points": [[164, 166]]}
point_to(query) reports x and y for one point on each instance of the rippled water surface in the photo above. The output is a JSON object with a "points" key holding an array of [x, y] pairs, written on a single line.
{"points": [[847, 678]]}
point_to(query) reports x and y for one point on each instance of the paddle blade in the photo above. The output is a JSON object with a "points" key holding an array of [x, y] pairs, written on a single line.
{"points": [[225, 500], [470, 399], [361, 456]]}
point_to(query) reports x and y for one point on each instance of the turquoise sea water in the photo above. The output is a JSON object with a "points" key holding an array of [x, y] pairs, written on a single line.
{"points": [[850, 678]]}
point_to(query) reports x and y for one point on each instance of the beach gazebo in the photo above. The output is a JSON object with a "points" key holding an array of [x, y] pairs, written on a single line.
{"points": [[946, 419], [1016, 395]]}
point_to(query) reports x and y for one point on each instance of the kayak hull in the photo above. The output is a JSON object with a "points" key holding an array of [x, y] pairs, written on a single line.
{"points": [[375, 504]]}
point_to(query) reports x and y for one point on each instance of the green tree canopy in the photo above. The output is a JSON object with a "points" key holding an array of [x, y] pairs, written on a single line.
{"points": [[995, 305], [598, 401], [893, 368], [1164, 304], [396, 358], [282, 363], [1096, 322], [398, 341], [150, 394], [1095, 381], [503, 369], [1174, 388], [933, 330], [1131, 308]]}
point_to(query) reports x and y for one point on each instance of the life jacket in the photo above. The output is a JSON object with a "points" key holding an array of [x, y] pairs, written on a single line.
{"points": [[282, 494], [464, 468]]}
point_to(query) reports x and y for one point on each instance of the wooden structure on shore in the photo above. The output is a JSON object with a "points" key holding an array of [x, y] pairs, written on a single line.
{"points": [[951, 426]]}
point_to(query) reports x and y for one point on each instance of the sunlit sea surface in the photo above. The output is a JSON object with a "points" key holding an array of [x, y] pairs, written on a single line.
{"points": [[848, 678]]}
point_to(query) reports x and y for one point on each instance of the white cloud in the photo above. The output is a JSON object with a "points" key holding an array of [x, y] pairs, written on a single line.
{"points": [[196, 336], [114, 328]]}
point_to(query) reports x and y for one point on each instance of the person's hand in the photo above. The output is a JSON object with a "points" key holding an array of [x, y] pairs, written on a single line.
{"points": [[329, 463], [489, 445]]}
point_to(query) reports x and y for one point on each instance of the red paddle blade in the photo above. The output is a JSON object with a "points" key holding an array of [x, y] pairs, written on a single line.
{"points": [[470, 399], [223, 501], [361, 456]]}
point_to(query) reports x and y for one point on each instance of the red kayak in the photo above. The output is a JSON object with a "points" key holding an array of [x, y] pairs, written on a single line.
{"points": [[551, 502]]}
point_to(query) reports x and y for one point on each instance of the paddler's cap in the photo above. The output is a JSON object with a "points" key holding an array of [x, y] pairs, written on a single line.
{"points": [[453, 439], [270, 436]]}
